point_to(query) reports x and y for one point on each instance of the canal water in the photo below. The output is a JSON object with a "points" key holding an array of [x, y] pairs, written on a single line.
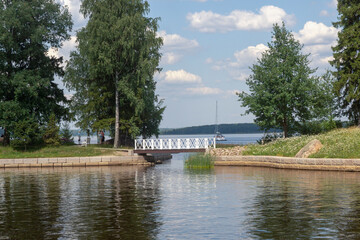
{"points": [[169, 202]]}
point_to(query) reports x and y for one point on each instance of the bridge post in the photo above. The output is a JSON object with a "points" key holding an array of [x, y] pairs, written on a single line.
{"points": [[206, 143], [187, 143], [135, 145], [170, 147], [178, 143], [143, 142], [161, 144], [152, 144], [214, 142], [196, 143]]}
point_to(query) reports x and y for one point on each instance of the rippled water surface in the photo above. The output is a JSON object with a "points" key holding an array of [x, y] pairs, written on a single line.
{"points": [[170, 202]]}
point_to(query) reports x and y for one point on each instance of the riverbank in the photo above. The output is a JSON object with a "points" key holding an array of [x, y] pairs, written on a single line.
{"points": [[326, 164], [74, 161]]}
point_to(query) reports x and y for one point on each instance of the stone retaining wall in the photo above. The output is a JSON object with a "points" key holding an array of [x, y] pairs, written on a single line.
{"points": [[290, 162], [73, 161]]}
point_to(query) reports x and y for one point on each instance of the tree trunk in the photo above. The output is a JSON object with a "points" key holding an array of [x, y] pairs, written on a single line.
{"points": [[285, 129], [117, 114], [6, 140]]}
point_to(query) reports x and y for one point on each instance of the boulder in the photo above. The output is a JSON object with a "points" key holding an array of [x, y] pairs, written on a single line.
{"points": [[312, 147]]}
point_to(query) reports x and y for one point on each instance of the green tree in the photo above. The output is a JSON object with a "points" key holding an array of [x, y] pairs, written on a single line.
{"points": [[26, 132], [52, 132], [66, 134], [28, 30], [347, 59], [113, 67], [281, 88]]}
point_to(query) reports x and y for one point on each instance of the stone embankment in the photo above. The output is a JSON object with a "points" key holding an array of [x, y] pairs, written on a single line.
{"points": [[74, 161], [234, 157]]}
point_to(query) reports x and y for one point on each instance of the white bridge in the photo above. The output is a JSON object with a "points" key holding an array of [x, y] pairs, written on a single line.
{"points": [[169, 145]]}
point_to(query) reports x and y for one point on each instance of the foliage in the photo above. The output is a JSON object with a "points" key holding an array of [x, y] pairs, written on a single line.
{"points": [[51, 135], [338, 143], [200, 161], [113, 67], [28, 31], [66, 134], [269, 137], [53, 152], [26, 133], [282, 91], [347, 59]]}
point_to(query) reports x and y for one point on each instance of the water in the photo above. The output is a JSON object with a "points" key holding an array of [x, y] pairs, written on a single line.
{"points": [[169, 202]]}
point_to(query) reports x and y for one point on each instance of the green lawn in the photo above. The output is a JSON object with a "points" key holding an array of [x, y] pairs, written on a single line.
{"points": [[339, 143], [61, 151]]}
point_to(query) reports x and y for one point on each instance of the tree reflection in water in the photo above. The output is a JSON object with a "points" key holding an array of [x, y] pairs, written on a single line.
{"points": [[79, 203], [305, 205]]}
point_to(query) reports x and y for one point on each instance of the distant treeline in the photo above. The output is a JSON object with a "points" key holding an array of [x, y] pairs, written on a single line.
{"points": [[210, 129]]}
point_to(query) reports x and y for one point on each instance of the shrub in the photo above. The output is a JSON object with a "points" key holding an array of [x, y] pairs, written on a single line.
{"points": [[26, 133], [66, 135], [51, 136]]}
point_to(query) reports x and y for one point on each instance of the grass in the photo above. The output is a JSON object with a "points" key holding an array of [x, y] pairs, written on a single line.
{"points": [[200, 161], [222, 145], [49, 152], [339, 143]]}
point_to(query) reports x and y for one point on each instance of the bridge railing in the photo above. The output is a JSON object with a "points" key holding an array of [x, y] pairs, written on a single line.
{"points": [[171, 143]]}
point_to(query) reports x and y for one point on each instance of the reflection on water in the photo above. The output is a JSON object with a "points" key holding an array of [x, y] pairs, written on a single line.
{"points": [[170, 202], [79, 203]]}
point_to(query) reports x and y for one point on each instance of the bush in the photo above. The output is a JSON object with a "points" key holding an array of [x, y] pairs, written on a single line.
{"points": [[51, 136], [26, 133], [66, 135], [269, 137]]}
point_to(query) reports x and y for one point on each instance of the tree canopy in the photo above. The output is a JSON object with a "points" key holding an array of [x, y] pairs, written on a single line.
{"points": [[347, 59], [28, 30], [283, 92], [112, 69]]}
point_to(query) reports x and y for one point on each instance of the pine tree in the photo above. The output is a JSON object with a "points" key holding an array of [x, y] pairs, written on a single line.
{"points": [[51, 135], [347, 59]]}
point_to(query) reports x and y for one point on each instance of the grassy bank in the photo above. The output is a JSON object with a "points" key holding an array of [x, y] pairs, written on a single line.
{"points": [[51, 152], [339, 143]]}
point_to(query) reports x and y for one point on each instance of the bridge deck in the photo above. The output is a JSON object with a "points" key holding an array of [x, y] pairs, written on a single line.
{"points": [[140, 151], [167, 145]]}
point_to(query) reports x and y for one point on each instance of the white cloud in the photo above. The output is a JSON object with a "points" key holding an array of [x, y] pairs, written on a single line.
{"points": [[65, 50], [169, 58], [208, 21], [175, 46], [333, 3], [248, 56], [204, 91], [314, 32], [238, 67], [179, 76], [74, 8], [318, 40]]}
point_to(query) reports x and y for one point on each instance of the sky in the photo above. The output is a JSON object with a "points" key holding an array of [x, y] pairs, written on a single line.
{"points": [[209, 46]]}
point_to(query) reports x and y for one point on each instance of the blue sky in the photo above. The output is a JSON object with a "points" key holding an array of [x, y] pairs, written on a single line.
{"points": [[210, 44]]}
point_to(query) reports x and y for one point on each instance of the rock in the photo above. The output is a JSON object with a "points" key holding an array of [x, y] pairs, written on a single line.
{"points": [[234, 151], [312, 147]]}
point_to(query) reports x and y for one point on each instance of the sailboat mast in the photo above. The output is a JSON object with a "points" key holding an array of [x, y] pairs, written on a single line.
{"points": [[216, 119]]}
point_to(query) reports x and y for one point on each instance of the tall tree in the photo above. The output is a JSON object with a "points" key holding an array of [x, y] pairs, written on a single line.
{"points": [[347, 59], [113, 67], [281, 88], [28, 30]]}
